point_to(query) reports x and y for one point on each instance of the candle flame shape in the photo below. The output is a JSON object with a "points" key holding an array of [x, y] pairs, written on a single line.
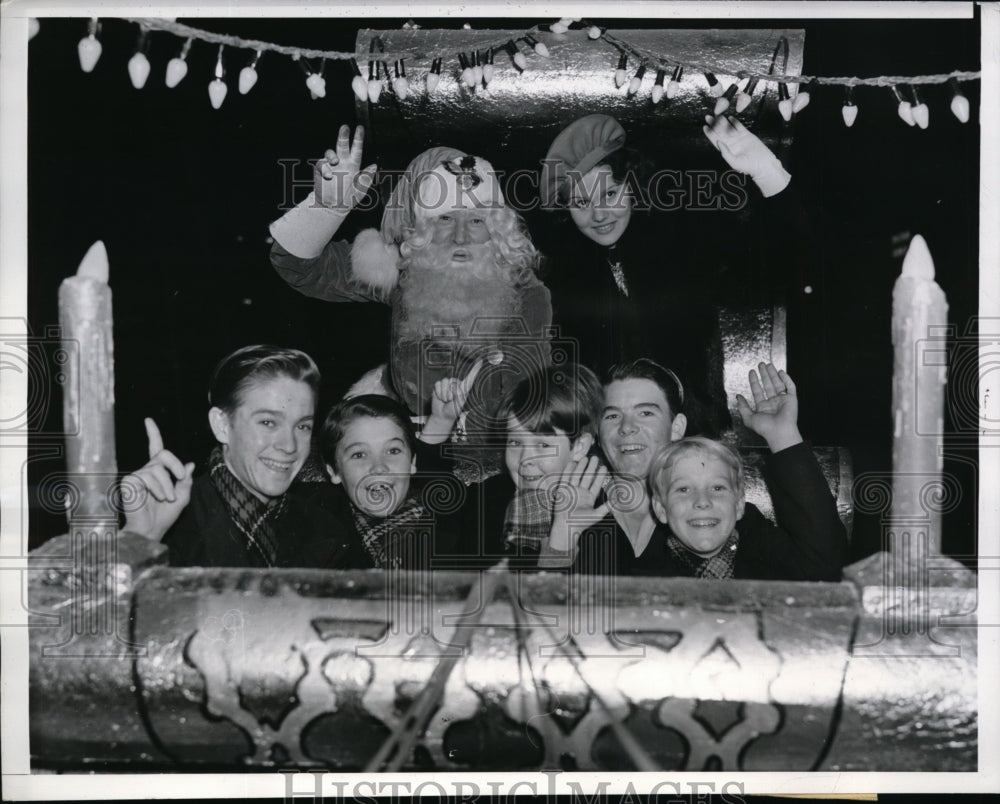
{"points": [[95, 263], [918, 262]]}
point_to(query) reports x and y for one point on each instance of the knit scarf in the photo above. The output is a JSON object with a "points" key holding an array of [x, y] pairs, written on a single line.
{"points": [[721, 565], [527, 522], [382, 537], [255, 518]]}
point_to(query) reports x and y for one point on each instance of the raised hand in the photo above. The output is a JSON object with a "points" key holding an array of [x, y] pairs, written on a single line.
{"points": [[744, 151], [338, 181], [775, 412], [156, 494], [574, 502], [447, 401]]}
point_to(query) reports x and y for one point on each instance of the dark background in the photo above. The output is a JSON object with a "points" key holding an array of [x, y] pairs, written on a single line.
{"points": [[182, 195]]}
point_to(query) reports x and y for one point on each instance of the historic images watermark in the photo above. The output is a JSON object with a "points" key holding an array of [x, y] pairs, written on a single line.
{"points": [[665, 190]]}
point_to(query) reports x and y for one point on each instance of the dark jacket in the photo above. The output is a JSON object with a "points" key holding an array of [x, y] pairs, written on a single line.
{"points": [[205, 535], [668, 314], [808, 544]]}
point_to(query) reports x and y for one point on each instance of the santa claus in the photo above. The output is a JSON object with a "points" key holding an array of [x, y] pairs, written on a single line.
{"points": [[453, 261]]}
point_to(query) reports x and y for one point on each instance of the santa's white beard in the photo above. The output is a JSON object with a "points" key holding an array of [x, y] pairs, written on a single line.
{"points": [[433, 292]]}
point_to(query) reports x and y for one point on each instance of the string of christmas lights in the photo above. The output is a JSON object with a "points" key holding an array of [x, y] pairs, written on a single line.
{"points": [[476, 68]]}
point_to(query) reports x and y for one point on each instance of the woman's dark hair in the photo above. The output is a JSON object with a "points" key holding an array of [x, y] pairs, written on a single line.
{"points": [[628, 166], [646, 369], [566, 398], [365, 406], [238, 371]]}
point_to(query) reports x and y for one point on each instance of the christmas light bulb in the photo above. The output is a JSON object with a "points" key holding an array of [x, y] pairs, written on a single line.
{"points": [[374, 89], [477, 69], [921, 115], [784, 103], [176, 70], [802, 97], [358, 83], [217, 92], [138, 70], [674, 84], [434, 76], [714, 87], [959, 103], [849, 110], [248, 77], [559, 27], [722, 104], [89, 48], [89, 51], [33, 27], [904, 108], [317, 85], [516, 56], [636, 82], [657, 94], [620, 70], [467, 74], [539, 47], [593, 32], [745, 95], [960, 108], [488, 71]]}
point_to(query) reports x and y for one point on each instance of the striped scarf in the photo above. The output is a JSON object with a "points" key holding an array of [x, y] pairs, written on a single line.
{"points": [[256, 519], [721, 565], [384, 537], [527, 522]]}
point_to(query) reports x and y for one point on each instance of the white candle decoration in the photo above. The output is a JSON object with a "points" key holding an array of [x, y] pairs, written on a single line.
{"points": [[88, 389], [919, 318]]}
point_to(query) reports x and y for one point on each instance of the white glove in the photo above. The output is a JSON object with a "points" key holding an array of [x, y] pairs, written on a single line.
{"points": [[744, 151], [338, 185]]}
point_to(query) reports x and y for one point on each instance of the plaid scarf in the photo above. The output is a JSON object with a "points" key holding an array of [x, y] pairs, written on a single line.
{"points": [[721, 565], [383, 537], [527, 522], [255, 518]]}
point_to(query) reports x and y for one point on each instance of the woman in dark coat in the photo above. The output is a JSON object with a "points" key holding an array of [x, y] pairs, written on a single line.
{"points": [[617, 290]]}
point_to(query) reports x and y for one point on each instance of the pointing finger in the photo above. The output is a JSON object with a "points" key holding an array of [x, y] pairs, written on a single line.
{"points": [[470, 378], [154, 437]]}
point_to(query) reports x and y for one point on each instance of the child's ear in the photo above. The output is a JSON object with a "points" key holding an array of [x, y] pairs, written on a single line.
{"points": [[660, 511], [678, 427], [333, 474], [218, 420], [413, 465], [741, 505], [581, 446]]}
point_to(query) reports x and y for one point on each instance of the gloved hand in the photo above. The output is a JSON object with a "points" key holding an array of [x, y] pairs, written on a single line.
{"points": [[338, 185], [744, 151]]}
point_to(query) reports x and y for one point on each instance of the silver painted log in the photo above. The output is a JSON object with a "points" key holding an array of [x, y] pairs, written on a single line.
{"points": [[212, 669]]}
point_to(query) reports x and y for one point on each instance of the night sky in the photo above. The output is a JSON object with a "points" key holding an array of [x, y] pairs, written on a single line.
{"points": [[182, 195]]}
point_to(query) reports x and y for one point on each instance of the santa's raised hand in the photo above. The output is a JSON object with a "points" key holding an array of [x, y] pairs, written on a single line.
{"points": [[338, 181]]}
